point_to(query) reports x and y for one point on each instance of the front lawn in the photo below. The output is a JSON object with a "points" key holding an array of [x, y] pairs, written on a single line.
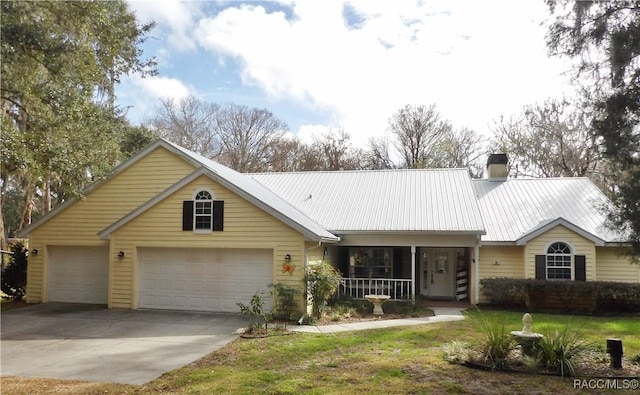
{"points": [[390, 361]]}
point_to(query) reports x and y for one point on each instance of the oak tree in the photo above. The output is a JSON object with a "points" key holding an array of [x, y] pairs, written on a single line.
{"points": [[603, 40], [57, 134]]}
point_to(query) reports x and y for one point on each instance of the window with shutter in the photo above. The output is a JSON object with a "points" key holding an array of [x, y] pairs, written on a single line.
{"points": [[203, 214], [559, 262]]}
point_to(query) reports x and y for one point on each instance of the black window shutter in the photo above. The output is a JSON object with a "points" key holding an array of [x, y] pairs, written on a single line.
{"points": [[541, 267], [218, 215], [581, 268], [187, 215]]}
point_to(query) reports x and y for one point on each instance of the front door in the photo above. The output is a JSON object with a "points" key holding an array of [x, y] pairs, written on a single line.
{"points": [[437, 273]]}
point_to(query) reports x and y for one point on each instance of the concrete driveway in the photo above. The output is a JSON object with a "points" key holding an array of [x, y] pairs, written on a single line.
{"points": [[92, 343]]}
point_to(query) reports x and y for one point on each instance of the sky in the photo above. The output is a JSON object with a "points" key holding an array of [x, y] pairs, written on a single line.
{"points": [[328, 64]]}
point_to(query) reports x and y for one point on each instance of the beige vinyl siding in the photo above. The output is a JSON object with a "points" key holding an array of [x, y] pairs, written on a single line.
{"points": [[79, 223], [579, 246], [501, 261], [614, 266], [245, 226], [36, 284], [509, 259]]}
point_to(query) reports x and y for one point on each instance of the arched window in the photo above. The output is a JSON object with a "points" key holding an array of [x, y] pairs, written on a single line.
{"points": [[203, 211], [559, 262]]}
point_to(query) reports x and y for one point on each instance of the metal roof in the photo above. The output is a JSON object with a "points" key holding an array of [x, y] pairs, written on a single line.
{"points": [[425, 200], [512, 209]]}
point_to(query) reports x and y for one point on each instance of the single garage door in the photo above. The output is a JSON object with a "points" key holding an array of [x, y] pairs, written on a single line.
{"points": [[203, 279], [78, 274]]}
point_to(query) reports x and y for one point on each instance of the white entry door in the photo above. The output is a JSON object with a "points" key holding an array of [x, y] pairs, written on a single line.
{"points": [[442, 272], [437, 272]]}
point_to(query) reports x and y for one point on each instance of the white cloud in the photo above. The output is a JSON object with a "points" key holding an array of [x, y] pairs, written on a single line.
{"points": [[178, 16], [162, 87], [475, 60], [308, 133], [142, 95]]}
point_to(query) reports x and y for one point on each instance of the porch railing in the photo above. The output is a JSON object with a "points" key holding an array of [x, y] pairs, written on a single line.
{"points": [[357, 288]]}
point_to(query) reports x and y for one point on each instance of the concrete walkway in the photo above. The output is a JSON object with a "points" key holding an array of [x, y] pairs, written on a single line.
{"points": [[442, 314]]}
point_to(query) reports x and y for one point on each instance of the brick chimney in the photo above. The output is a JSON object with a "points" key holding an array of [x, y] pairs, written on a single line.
{"points": [[497, 167]]}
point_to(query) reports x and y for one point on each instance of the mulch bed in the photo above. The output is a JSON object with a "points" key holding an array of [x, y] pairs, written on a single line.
{"points": [[590, 364]]}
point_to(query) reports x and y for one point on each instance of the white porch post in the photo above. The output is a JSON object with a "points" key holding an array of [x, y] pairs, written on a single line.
{"points": [[413, 272], [476, 271]]}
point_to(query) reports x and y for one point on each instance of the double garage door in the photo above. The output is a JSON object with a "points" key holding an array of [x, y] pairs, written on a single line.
{"points": [[203, 279], [169, 278]]}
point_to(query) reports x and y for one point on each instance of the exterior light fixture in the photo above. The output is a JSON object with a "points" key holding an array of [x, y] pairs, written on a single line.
{"points": [[34, 251], [326, 251], [287, 258], [120, 254]]}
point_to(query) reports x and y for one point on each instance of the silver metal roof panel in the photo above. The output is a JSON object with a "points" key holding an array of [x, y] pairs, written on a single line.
{"points": [[425, 200], [513, 208]]}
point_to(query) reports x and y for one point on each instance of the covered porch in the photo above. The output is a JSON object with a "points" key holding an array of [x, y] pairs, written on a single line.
{"points": [[405, 272]]}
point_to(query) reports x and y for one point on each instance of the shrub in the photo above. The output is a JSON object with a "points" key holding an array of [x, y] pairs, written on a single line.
{"points": [[586, 297], [322, 281], [14, 276], [285, 304], [405, 307], [255, 312], [456, 351], [556, 351], [496, 343], [504, 292], [341, 311]]}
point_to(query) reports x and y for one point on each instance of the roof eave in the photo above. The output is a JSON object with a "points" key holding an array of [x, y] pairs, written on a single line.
{"points": [[528, 236], [412, 232]]}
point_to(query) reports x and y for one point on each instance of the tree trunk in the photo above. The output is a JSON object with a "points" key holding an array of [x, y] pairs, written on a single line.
{"points": [[3, 235], [46, 196], [28, 207]]}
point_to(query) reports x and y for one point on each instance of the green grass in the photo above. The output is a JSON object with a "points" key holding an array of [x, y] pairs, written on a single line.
{"points": [[594, 329], [386, 361], [398, 360]]}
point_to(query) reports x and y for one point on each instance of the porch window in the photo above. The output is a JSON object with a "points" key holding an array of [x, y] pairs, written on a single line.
{"points": [[558, 262], [371, 262]]}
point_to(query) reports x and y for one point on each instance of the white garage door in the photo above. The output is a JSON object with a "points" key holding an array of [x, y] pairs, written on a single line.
{"points": [[78, 274], [203, 279]]}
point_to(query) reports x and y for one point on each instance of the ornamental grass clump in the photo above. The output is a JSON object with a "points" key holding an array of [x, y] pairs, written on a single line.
{"points": [[497, 343], [556, 351]]}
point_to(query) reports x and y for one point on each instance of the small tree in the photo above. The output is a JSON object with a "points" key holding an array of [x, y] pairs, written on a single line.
{"points": [[322, 283], [255, 312], [14, 276], [285, 305]]}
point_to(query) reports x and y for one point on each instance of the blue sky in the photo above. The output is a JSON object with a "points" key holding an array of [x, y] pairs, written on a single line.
{"points": [[331, 64]]}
